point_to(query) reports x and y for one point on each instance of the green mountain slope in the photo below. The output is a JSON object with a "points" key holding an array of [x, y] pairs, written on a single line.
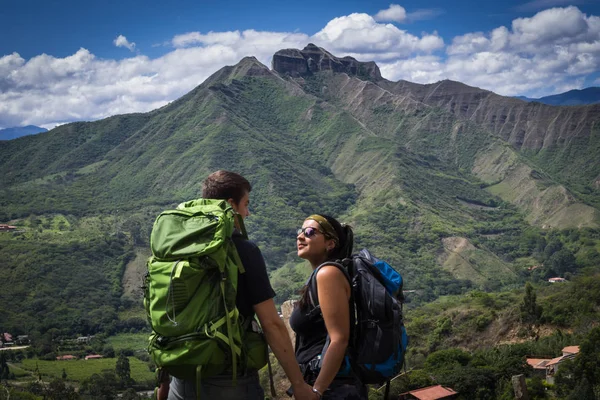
{"points": [[411, 177]]}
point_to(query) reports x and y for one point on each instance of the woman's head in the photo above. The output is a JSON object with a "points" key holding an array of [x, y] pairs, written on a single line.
{"points": [[323, 238]]}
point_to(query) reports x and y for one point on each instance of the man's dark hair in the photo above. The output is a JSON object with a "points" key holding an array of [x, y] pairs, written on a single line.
{"points": [[225, 185]]}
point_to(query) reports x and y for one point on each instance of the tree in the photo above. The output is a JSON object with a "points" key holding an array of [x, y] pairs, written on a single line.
{"points": [[130, 394], [536, 388], [565, 380], [561, 262], [4, 371], [530, 310], [447, 359], [58, 390], [552, 247], [586, 362], [123, 370], [64, 374], [108, 351], [471, 383], [410, 380], [100, 386], [583, 391]]}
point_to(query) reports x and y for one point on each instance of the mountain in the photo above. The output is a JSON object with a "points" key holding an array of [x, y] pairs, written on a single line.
{"points": [[13, 133], [457, 187], [574, 97]]}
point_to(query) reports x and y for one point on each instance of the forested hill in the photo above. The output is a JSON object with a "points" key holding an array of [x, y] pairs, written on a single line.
{"points": [[457, 187], [576, 97]]}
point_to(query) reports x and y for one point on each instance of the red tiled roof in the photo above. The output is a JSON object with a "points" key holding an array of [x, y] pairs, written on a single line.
{"points": [[571, 349], [432, 392], [554, 361], [93, 356], [66, 357], [538, 363]]}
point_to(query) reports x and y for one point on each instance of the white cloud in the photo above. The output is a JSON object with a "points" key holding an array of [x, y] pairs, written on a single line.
{"points": [[537, 5], [121, 41], [540, 55], [397, 13], [552, 51], [424, 14], [394, 13], [195, 38], [359, 35], [47, 90], [419, 69]]}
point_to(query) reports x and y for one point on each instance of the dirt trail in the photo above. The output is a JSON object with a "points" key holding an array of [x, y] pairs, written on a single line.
{"points": [[134, 274]]}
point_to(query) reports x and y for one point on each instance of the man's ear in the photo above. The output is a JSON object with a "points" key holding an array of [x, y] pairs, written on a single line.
{"points": [[233, 204]]}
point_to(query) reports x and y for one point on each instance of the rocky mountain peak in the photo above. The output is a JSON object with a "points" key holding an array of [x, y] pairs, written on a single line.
{"points": [[313, 59]]}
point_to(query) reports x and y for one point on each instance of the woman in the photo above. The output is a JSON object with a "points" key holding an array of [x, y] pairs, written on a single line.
{"points": [[322, 239]]}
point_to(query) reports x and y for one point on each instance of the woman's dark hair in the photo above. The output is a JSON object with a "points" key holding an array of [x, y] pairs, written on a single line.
{"points": [[343, 249]]}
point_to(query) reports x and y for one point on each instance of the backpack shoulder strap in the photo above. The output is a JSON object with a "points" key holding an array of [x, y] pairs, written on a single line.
{"points": [[312, 281], [343, 265]]}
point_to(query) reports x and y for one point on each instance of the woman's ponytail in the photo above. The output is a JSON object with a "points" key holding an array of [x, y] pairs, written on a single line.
{"points": [[348, 245]]}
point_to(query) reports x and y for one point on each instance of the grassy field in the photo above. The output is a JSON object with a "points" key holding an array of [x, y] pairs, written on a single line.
{"points": [[131, 341], [78, 370]]}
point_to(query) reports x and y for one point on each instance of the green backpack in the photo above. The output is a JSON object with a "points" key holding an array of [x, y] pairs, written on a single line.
{"points": [[190, 294]]}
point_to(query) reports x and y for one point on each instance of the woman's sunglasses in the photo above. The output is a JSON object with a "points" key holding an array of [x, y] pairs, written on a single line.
{"points": [[308, 232]]}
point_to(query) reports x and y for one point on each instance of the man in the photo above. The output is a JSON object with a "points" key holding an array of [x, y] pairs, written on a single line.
{"points": [[254, 296]]}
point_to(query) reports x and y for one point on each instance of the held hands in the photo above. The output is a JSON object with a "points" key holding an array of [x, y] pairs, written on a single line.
{"points": [[163, 391], [305, 392]]}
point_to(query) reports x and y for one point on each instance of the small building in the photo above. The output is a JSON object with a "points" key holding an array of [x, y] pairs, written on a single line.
{"points": [[437, 392], [66, 357], [539, 366], [553, 365], [93, 357], [6, 337], [23, 339], [84, 339], [6, 228], [570, 350], [557, 280]]}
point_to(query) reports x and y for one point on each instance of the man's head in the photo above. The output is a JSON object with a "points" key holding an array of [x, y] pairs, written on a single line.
{"points": [[226, 185]]}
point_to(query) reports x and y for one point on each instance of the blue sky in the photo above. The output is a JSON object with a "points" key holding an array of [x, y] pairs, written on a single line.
{"points": [[62, 61]]}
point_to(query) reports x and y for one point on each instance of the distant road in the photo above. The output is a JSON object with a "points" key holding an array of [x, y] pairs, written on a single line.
{"points": [[14, 348]]}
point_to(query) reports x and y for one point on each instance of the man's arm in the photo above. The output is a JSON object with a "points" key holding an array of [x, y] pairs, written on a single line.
{"points": [[278, 339]]}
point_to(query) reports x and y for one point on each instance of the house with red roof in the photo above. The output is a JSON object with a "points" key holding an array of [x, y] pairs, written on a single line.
{"points": [[6, 339], [66, 357], [553, 365], [93, 357], [557, 280], [538, 365], [430, 393]]}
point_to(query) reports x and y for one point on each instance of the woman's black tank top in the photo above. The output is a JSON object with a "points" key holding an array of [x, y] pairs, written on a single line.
{"points": [[310, 333]]}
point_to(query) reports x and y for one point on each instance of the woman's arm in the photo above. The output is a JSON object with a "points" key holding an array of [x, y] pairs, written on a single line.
{"points": [[333, 290], [278, 338]]}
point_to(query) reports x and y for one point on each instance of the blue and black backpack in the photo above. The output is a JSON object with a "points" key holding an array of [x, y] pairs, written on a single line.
{"points": [[378, 338]]}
